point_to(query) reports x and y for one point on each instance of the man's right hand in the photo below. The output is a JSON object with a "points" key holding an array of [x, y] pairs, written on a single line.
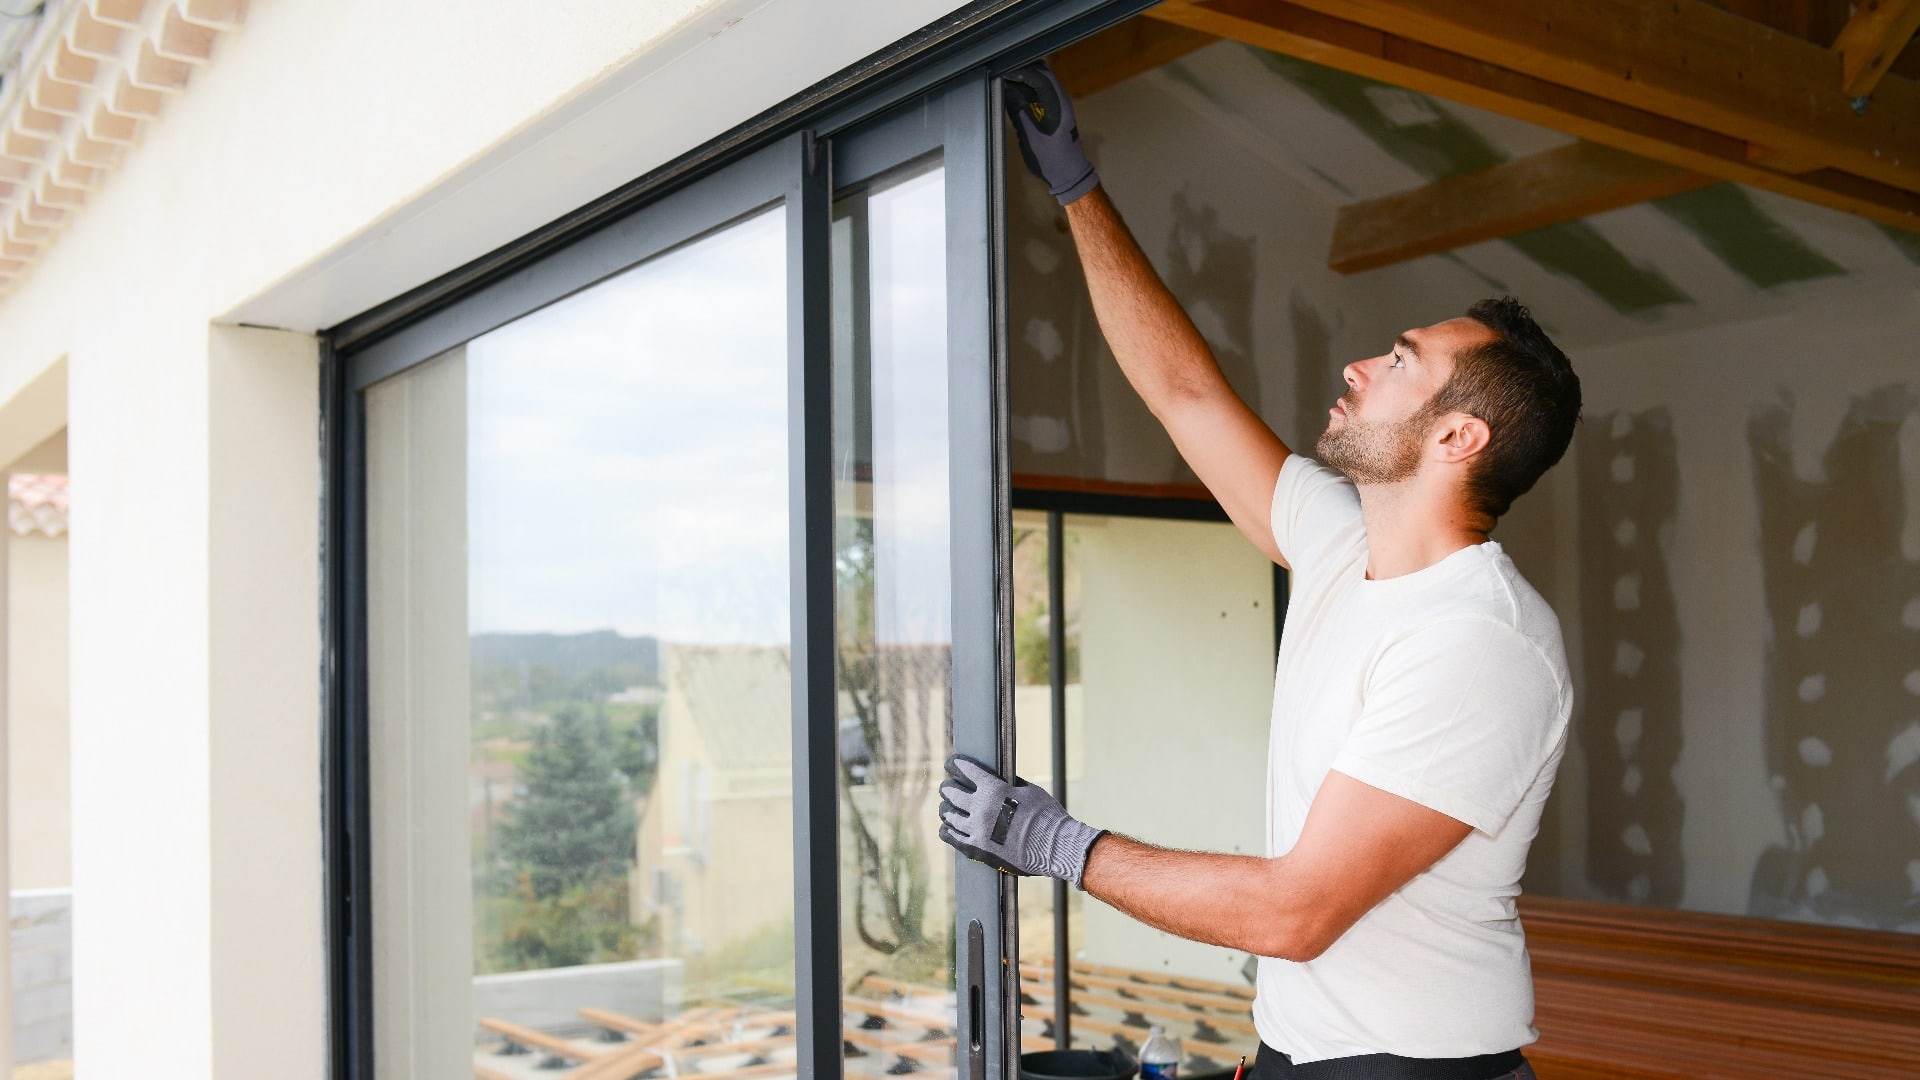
{"points": [[1042, 115]]}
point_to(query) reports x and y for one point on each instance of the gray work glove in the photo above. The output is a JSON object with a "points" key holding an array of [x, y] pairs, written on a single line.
{"points": [[1017, 827], [1049, 139]]}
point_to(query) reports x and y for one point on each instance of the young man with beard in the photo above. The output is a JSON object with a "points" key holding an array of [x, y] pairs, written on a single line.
{"points": [[1421, 698]]}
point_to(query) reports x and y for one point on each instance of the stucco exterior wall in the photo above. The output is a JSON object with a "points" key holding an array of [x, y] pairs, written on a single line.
{"points": [[37, 774]]}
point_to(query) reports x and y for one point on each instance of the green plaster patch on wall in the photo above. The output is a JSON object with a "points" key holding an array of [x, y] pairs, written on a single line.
{"points": [[1907, 242], [1486, 279], [1740, 234], [1408, 126], [1179, 72], [1331, 181], [1576, 250], [1426, 138]]}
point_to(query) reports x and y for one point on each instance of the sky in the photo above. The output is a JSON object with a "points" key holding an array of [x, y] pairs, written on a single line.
{"points": [[627, 446]]}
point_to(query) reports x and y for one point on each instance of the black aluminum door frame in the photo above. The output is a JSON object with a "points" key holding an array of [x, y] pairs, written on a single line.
{"points": [[961, 122]]}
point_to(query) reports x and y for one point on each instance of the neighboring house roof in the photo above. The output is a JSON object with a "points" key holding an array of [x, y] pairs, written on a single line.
{"points": [[736, 697], [36, 505]]}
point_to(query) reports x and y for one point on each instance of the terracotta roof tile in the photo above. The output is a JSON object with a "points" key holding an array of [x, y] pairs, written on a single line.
{"points": [[36, 504]]}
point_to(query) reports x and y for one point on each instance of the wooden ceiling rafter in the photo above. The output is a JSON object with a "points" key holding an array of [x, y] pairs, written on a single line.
{"points": [[1563, 184], [1683, 59], [1872, 40], [1447, 214], [1122, 51]]}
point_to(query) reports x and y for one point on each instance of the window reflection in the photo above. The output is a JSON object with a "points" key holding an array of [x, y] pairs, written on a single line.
{"points": [[893, 633], [580, 682]]}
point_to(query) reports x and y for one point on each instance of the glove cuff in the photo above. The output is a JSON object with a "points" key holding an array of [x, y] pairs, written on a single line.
{"points": [[1087, 182], [1081, 844]]}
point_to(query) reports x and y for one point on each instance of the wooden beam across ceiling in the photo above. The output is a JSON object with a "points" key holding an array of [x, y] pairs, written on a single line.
{"points": [[1872, 40], [1801, 167], [1122, 51], [1684, 59], [1547, 188]]}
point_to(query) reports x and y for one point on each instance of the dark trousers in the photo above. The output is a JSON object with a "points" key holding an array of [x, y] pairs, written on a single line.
{"points": [[1271, 1064]]}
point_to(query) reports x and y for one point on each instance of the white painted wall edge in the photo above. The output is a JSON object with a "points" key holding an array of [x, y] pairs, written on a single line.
{"points": [[734, 60], [34, 413]]}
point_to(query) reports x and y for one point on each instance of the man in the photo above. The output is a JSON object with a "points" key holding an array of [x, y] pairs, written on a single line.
{"points": [[1421, 698]]}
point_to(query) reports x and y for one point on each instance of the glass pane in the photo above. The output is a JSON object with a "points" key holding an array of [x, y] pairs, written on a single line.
{"points": [[893, 631], [579, 640], [1033, 722], [1169, 621]]}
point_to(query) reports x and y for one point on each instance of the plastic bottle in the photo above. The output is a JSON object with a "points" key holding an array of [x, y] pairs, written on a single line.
{"points": [[1160, 1055]]}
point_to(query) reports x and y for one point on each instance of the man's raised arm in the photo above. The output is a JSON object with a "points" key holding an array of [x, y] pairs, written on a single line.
{"points": [[1160, 351]]}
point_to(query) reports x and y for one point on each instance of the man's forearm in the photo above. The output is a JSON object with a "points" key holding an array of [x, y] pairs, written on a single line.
{"points": [[1237, 901], [1159, 349]]}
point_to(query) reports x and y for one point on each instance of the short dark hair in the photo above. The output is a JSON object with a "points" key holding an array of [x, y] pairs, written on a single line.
{"points": [[1523, 386]]}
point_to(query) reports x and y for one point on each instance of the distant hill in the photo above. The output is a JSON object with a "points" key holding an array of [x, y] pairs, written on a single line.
{"points": [[602, 658]]}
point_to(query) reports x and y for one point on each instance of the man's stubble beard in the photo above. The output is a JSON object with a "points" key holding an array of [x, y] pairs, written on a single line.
{"points": [[1375, 453]]}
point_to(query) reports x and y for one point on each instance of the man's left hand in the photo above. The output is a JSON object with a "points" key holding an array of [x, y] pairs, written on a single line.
{"points": [[1015, 827]]}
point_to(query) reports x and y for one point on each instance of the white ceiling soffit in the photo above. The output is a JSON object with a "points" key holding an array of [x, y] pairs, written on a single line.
{"points": [[747, 55]]}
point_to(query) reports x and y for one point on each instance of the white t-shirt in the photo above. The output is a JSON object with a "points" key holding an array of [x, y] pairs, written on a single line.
{"points": [[1449, 687]]}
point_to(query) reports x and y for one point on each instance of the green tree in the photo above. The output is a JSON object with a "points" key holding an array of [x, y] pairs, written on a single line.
{"points": [[575, 825], [886, 788], [636, 750], [586, 924]]}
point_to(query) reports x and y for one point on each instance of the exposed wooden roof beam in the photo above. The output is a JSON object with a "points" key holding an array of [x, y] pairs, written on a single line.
{"points": [[1122, 51], [1417, 65], [1541, 189], [1872, 40], [1818, 21], [1684, 59]]}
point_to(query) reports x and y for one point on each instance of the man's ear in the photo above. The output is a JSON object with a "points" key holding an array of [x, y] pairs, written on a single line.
{"points": [[1461, 436]]}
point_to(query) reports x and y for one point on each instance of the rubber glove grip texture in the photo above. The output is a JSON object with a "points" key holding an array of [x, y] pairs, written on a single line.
{"points": [[1043, 122]]}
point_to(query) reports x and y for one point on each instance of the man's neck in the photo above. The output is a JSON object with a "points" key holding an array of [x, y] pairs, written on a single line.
{"points": [[1411, 526]]}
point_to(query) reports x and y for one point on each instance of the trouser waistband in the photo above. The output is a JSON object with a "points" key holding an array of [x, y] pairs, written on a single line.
{"points": [[1271, 1064]]}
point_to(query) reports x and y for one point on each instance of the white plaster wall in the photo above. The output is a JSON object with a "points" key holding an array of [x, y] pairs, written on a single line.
{"points": [[33, 413], [37, 789], [264, 723], [1712, 379], [1145, 139], [1176, 655], [140, 664], [334, 153]]}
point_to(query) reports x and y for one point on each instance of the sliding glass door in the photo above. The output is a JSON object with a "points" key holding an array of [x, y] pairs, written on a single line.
{"points": [[581, 621], [671, 584]]}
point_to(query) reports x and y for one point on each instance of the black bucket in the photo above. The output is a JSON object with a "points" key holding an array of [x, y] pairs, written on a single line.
{"points": [[1077, 1065]]}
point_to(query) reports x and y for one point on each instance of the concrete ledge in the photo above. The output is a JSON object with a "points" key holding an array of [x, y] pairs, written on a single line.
{"points": [[551, 1000], [41, 933]]}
